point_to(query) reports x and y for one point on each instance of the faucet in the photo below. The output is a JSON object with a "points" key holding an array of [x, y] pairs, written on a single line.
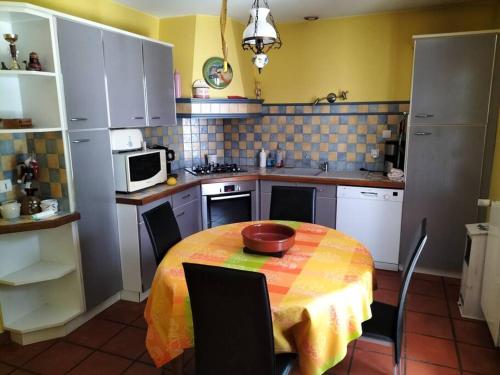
{"points": [[324, 166]]}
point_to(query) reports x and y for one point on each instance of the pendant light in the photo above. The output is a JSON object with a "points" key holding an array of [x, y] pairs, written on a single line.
{"points": [[261, 33]]}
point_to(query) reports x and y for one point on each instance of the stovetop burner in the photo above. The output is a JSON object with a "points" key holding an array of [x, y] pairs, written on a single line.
{"points": [[201, 170]]}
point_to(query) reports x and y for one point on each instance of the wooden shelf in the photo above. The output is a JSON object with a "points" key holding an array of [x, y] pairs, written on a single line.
{"points": [[30, 130], [37, 272], [25, 223], [47, 316], [33, 73]]}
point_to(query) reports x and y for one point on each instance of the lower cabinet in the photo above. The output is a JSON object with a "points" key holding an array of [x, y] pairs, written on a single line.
{"points": [[137, 257], [326, 203]]}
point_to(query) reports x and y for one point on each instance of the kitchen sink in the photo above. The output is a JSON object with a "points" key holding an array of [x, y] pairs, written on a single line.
{"points": [[351, 175], [296, 171]]}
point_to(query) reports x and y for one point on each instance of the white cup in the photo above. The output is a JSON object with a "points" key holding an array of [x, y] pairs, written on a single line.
{"points": [[49, 205], [10, 209]]}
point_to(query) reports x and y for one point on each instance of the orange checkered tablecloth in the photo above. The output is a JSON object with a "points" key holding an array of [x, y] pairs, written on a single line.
{"points": [[320, 292]]}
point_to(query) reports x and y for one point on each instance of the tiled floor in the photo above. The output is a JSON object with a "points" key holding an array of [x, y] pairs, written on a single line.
{"points": [[437, 341]]}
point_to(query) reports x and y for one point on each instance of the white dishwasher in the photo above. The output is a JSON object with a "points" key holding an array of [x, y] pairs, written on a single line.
{"points": [[373, 217]]}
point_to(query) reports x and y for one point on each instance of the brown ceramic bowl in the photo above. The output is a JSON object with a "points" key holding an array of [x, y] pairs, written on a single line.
{"points": [[268, 237]]}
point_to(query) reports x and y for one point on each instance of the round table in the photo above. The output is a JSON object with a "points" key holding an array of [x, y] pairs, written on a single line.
{"points": [[320, 292]]}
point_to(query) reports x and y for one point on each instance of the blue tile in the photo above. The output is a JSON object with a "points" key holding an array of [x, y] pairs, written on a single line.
{"points": [[350, 166], [316, 109], [243, 136], [351, 147], [42, 160], [334, 108], [250, 145], [51, 146], [362, 119], [62, 161], [372, 107], [351, 129], [289, 137], [307, 120], [19, 136], [342, 138], [258, 137], [234, 145], [6, 147], [211, 137], [353, 108], [289, 119], [298, 129], [323, 155], [204, 145], [54, 175], [297, 146], [203, 129], [332, 147], [274, 119], [265, 109], [266, 129], [315, 146], [195, 137], [274, 137], [382, 119], [393, 107], [344, 120], [334, 129], [227, 136], [361, 138], [282, 109], [341, 156], [372, 129], [299, 109], [243, 153], [324, 120], [281, 128], [316, 129], [307, 137], [360, 157], [44, 189]]}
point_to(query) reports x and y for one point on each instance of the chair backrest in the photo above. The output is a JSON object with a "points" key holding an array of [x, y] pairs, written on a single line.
{"points": [[162, 228], [293, 203], [232, 321], [420, 240]]}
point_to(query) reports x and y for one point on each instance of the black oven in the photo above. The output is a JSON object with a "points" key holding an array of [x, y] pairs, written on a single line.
{"points": [[228, 202]]}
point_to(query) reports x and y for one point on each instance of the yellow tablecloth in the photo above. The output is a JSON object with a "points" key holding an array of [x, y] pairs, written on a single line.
{"points": [[320, 292]]}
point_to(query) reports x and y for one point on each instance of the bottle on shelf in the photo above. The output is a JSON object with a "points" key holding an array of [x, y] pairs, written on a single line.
{"points": [[262, 158]]}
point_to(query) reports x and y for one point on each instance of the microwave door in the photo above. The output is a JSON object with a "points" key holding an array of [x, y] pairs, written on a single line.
{"points": [[142, 169]]}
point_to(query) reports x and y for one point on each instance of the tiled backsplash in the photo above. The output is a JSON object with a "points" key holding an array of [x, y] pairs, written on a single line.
{"points": [[49, 152], [342, 134], [167, 136], [202, 137]]}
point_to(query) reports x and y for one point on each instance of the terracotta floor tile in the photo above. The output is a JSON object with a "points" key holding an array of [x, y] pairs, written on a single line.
{"points": [[140, 323], [389, 282], [426, 287], [429, 325], [479, 360], [21, 372], [141, 369], [451, 280], [419, 368], [426, 304], [129, 343], [454, 310], [95, 333], [123, 312], [58, 359], [471, 332], [425, 276], [18, 355], [343, 366], [372, 363], [432, 350], [386, 296], [101, 363], [146, 358], [373, 347], [388, 273], [452, 291], [5, 369], [4, 338]]}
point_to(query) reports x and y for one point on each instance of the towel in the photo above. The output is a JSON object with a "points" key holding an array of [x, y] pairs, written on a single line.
{"points": [[396, 175]]}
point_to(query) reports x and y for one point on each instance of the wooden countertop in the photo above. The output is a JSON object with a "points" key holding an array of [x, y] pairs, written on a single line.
{"points": [[26, 223], [186, 180]]}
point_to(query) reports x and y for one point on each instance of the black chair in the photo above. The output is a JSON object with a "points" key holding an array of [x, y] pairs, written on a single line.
{"points": [[162, 229], [233, 329], [387, 323], [293, 203]]}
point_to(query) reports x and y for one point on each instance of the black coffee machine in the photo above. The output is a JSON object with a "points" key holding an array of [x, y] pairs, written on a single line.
{"points": [[394, 149], [170, 158]]}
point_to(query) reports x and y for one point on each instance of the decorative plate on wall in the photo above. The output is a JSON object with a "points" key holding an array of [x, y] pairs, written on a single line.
{"points": [[213, 72]]}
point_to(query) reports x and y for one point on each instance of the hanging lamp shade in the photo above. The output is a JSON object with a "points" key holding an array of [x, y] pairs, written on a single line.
{"points": [[261, 33]]}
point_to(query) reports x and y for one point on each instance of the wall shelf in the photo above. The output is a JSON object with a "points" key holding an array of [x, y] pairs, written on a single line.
{"points": [[29, 130], [37, 272], [218, 108], [28, 73], [25, 223]]}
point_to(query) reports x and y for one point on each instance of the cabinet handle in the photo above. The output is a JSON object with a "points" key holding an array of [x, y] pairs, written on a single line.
{"points": [[155, 118], [80, 140], [424, 115], [138, 118], [422, 133], [181, 214], [78, 119], [186, 196]]}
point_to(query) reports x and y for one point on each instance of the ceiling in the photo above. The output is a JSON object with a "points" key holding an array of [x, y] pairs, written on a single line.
{"points": [[282, 10]]}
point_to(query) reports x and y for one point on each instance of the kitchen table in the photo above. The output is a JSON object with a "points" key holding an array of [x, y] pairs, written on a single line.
{"points": [[320, 292]]}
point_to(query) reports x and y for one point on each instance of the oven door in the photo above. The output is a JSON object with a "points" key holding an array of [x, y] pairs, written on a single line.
{"points": [[227, 208]]}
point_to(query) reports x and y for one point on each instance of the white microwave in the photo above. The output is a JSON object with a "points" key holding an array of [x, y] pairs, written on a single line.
{"points": [[139, 169]]}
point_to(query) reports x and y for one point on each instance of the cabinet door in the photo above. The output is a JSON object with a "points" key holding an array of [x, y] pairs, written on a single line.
{"points": [[125, 79], [442, 184], [160, 93], [265, 205], [82, 65], [452, 79], [325, 212], [148, 261], [98, 226], [188, 218]]}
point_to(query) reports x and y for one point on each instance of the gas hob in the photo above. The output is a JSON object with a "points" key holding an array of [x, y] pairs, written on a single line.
{"points": [[207, 169]]}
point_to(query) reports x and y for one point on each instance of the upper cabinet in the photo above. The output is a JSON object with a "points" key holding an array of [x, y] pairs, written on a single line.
{"points": [[82, 65], [160, 91], [125, 80], [452, 80]]}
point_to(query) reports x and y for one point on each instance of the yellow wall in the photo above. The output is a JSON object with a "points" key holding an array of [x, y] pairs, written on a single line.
{"points": [[107, 12], [197, 38], [371, 56]]}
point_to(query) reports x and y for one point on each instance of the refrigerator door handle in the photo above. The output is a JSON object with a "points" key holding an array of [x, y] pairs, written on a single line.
{"points": [[422, 133]]}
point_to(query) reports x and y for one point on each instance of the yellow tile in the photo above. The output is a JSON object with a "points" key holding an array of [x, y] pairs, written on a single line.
{"points": [[324, 129], [361, 147], [343, 129], [351, 156], [20, 146], [362, 129], [315, 155], [219, 137], [290, 109], [281, 137], [315, 138], [298, 138], [307, 109], [393, 119], [353, 120], [250, 136], [289, 129], [250, 153], [6, 137], [325, 109], [44, 175], [170, 131], [242, 128], [307, 129], [282, 120], [341, 147], [274, 109], [372, 119], [323, 147], [371, 138], [266, 137], [235, 153], [289, 146], [242, 145], [381, 128], [8, 162], [204, 137], [258, 128], [363, 108], [227, 145], [273, 145], [352, 138], [55, 190], [52, 135], [62, 176], [344, 109], [266, 120], [212, 145], [257, 145], [40, 146], [159, 130], [404, 107], [298, 120], [220, 153], [297, 155], [316, 120], [368, 158], [334, 120], [332, 156], [306, 146], [235, 136], [227, 128], [383, 107], [274, 128], [53, 160], [211, 129], [332, 138]]}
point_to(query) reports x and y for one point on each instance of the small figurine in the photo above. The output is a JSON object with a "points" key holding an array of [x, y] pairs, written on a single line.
{"points": [[25, 65], [34, 63], [4, 67]]}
